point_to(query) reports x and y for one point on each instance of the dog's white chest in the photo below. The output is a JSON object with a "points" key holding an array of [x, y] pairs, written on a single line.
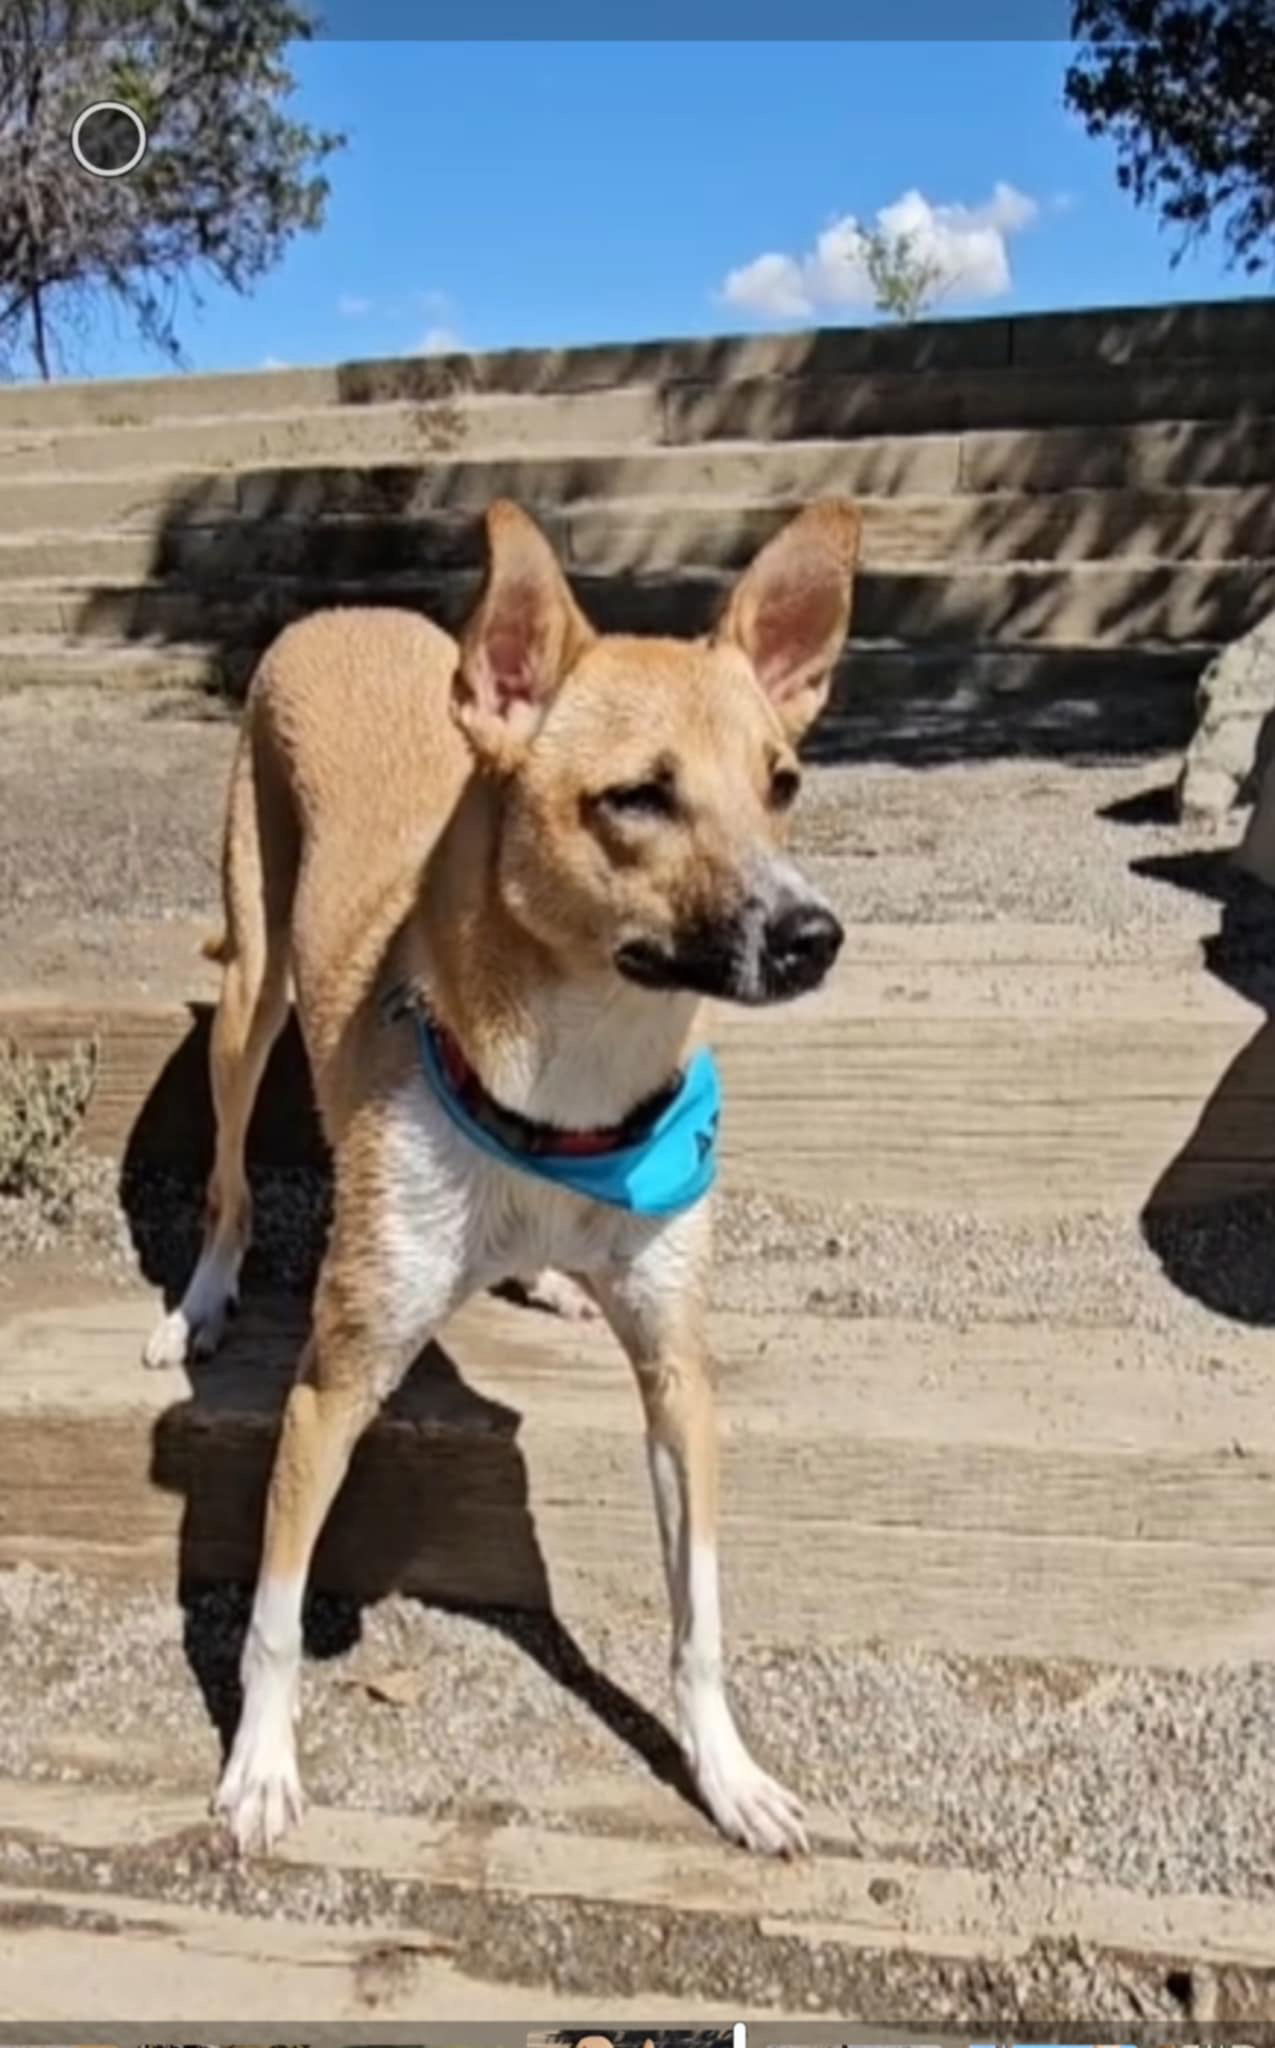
{"points": [[455, 1221]]}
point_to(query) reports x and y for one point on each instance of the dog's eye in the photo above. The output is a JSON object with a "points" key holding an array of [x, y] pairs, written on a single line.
{"points": [[784, 786], [640, 799]]}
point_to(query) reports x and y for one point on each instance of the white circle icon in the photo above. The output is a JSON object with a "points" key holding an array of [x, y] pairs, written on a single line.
{"points": [[113, 170]]}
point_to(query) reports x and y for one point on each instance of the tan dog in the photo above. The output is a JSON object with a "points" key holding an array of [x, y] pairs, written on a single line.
{"points": [[560, 843]]}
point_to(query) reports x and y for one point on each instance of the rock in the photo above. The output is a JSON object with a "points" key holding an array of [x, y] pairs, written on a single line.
{"points": [[1207, 794], [1226, 761]]}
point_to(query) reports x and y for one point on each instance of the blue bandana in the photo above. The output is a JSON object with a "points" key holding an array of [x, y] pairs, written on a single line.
{"points": [[664, 1171]]}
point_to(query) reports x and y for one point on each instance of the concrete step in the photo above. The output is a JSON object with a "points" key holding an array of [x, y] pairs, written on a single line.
{"points": [[1211, 335], [1222, 524], [171, 501], [905, 704], [805, 408], [1150, 456], [636, 536], [765, 409], [583, 420], [930, 705], [1097, 604], [37, 661], [1184, 453]]}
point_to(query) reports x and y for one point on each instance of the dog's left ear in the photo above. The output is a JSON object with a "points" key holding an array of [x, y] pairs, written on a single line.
{"points": [[790, 611], [525, 633]]}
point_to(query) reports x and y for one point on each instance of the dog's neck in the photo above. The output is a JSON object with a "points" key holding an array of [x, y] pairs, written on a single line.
{"points": [[576, 1049]]}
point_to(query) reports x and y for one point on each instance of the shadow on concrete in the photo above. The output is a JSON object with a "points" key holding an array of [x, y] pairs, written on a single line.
{"points": [[1157, 806], [1210, 1219], [171, 1139]]}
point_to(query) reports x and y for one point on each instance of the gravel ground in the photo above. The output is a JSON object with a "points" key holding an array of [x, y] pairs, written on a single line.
{"points": [[990, 841], [108, 812], [108, 809], [1154, 1781]]}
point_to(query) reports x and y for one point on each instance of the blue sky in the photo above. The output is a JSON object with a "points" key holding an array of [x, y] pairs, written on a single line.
{"points": [[507, 194]]}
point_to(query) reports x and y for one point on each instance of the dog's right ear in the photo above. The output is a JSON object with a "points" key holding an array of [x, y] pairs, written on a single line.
{"points": [[525, 633]]}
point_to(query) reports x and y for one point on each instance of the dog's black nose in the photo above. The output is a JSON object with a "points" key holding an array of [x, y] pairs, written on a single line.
{"points": [[804, 941]]}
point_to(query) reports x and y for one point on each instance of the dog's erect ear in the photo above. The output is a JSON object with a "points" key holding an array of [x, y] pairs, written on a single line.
{"points": [[526, 631], [790, 610]]}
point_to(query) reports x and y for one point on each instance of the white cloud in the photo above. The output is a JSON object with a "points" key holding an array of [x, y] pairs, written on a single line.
{"points": [[351, 307], [438, 341], [770, 284], [967, 246], [274, 363]]}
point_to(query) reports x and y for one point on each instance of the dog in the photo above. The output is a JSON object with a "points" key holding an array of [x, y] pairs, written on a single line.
{"points": [[501, 875]]}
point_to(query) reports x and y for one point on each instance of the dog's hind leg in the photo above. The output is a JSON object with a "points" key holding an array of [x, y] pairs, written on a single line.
{"points": [[259, 870]]}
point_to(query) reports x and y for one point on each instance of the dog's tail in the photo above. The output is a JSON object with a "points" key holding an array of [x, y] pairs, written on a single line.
{"points": [[215, 949]]}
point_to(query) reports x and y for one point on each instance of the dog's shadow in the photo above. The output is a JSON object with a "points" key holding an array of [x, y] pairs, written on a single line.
{"points": [[436, 1504], [1210, 1217]]}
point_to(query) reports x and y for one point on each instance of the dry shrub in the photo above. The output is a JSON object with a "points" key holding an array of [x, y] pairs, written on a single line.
{"points": [[42, 1105]]}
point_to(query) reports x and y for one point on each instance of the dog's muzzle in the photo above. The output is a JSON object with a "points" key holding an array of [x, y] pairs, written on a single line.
{"points": [[752, 958]]}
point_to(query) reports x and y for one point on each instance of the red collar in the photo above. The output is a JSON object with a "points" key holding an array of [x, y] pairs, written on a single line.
{"points": [[523, 1134]]}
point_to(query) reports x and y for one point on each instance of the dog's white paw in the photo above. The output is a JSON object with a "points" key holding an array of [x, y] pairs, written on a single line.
{"points": [[259, 1797], [749, 1806], [193, 1331], [168, 1344], [558, 1295]]}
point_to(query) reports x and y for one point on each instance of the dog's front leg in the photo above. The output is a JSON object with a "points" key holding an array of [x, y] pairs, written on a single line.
{"points": [[659, 1328]]}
